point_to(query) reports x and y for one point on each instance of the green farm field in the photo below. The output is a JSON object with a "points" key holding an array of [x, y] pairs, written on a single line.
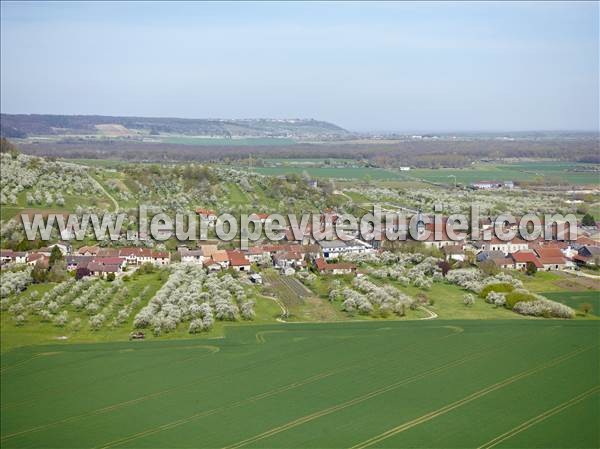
{"points": [[550, 172], [576, 299], [418, 384], [190, 140], [332, 172]]}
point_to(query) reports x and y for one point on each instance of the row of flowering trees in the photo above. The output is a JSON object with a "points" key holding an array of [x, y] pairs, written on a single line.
{"points": [[367, 297], [459, 201], [14, 281], [191, 295], [45, 182]]}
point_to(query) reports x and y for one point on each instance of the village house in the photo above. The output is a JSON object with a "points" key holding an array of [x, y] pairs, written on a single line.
{"points": [[99, 266], [75, 262], [21, 256], [9, 256], [238, 261], [88, 251], [137, 256], [288, 259], [587, 255], [503, 262], [256, 253], [333, 249], [551, 258], [442, 240], [37, 258], [195, 256], [454, 252], [221, 257], [211, 266], [6, 256], [506, 247], [65, 248], [482, 256], [334, 268], [523, 257]]}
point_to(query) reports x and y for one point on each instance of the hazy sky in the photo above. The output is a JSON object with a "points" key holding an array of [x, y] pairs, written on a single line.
{"points": [[376, 66]]}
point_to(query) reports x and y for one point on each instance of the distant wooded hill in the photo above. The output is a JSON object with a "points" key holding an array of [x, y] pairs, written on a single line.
{"points": [[27, 125]]}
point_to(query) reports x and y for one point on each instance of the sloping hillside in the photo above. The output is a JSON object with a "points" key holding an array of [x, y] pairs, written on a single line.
{"points": [[25, 125]]}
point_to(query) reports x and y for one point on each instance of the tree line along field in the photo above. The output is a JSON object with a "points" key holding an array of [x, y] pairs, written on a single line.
{"points": [[507, 384]]}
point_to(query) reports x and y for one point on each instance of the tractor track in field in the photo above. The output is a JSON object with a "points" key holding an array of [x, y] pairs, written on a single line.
{"points": [[382, 390], [205, 413], [212, 349], [111, 407], [470, 398], [199, 415], [134, 401], [539, 418]]}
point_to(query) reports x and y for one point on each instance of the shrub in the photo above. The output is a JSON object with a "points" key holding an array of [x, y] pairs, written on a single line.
{"points": [[586, 308], [196, 326], [544, 307], [468, 299], [489, 267], [61, 319], [247, 310], [97, 321], [501, 287], [519, 295]]}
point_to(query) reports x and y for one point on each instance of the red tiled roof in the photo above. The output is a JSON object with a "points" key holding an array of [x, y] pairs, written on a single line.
{"points": [[288, 255], [220, 256], [160, 254], [100, 267], [86, 249], [108, 252], [206, 212], [550, 256], [549, 252], [237, 259], [324, 266], [525, 257], [583, 240]]}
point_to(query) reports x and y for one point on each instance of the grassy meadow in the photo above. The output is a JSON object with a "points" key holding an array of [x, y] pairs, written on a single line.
{"points": [[444, 384]]}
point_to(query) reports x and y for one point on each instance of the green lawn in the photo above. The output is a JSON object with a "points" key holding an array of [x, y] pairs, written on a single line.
{"points": [[417, 384]]}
